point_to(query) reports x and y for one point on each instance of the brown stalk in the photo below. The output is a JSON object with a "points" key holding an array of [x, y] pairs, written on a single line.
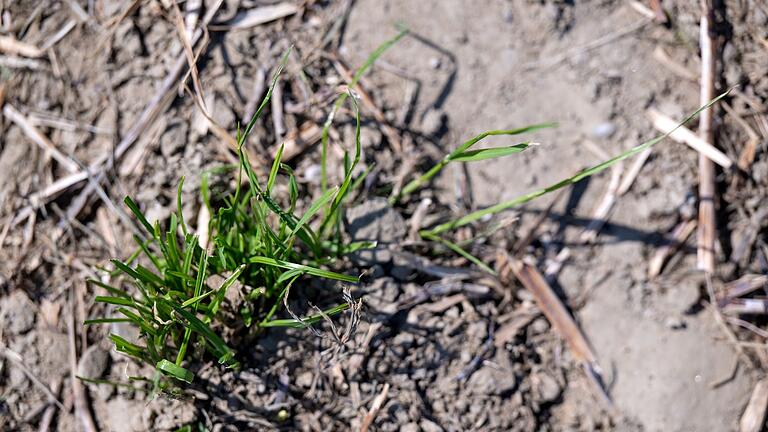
{"points": [[754, 415], [675, 240], [684, 135], [12, 46], [706, 229], [158, 104], [375, 407], [38, 138], [78, 392], [562, 322]]}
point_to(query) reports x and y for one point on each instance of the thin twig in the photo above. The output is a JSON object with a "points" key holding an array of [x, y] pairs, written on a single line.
{"points": [[78, 392], [38, 138], [597, 43], [706, 228], [18, 361], [562, 322], [675, 240], [12, 46], [375, 407], [684, 135], [159, 103]]}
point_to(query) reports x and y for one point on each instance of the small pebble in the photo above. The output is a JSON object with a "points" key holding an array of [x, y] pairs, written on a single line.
{"points": [[549, 388], [674, 323], [432, 122], [94, 362], [17, 314], [604, 130]]}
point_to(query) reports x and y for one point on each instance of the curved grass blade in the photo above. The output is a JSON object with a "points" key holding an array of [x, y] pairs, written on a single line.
{"points": [[474, 216], [139, 215], [175, 371], [462, 150], [305, 322], [458, 249], [381, 49], [222, 291], [332, 213], [265, 101], [314, 271], [275, 167], [313, 209], [219, 348], [489, 153]]}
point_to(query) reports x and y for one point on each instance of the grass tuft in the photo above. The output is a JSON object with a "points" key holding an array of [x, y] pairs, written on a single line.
{"points": [[259, 246]]}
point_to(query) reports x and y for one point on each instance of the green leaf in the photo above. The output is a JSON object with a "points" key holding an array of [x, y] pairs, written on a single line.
{"points": [[275, 167], [110, 289], [219, 348], [306, 269], [139, 215], [488, 153], [568, 181], [456, 248], [175, 371], [293, 323], [460, 152]]}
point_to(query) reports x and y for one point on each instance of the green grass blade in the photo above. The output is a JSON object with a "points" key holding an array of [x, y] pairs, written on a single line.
{"points": [[474, 216], [525, 129], [219, 348], [294, 323], [275, 167], [488, 153], [222, 291], [456, 248], [118, 301], [179, 207], [110, 289], [313, 209], [343, 189], [105, 321], [426, 177], [265, 101], [139, 215], [133, 350], [175, 371], [314, 271], [342, 97]]}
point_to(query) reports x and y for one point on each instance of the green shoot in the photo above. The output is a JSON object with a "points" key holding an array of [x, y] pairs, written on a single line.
{"points": [[474, 216], [463, 154]]}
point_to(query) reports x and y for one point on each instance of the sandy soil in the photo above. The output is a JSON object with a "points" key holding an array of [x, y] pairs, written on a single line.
{"points": [[430, 342]]}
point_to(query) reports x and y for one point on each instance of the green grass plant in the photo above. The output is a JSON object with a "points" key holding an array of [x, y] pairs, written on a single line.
{"points": [[258, 243]]}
